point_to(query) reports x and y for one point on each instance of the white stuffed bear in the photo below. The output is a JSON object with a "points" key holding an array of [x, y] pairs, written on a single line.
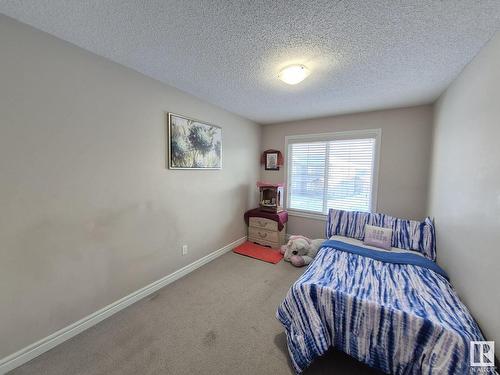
{"points": [[300, 250]]}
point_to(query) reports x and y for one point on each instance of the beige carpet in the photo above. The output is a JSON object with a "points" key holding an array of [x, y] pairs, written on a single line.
{"points": [[219, 319]]}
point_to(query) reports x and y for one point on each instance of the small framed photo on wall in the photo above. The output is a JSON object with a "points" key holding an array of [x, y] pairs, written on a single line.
{"points": [[271, 161]]}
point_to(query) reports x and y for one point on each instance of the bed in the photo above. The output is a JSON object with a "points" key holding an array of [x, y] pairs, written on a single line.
{"points": [[393, 310]]}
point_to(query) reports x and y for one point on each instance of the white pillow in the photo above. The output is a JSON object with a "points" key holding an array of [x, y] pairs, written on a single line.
{"points": [[378, 237]]}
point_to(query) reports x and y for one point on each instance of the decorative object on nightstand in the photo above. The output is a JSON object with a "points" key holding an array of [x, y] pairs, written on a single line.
{"points": [[266, 228], [271, 196]]}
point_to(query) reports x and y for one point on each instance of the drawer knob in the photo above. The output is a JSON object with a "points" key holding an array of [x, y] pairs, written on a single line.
{"points": [[262, 224], [262, 235]]}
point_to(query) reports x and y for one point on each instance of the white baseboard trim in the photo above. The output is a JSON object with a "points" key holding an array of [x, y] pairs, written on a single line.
{"points": [[34, 350]]}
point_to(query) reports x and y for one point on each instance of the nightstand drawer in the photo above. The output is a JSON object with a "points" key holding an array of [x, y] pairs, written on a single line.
{"points": [[261, 223], [255, 234]]}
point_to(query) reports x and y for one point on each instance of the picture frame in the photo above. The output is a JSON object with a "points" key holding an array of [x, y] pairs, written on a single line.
{"points": [[271, 161], [193, 144]]}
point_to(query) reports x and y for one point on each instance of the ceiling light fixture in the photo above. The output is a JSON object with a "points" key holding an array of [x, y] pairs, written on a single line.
{"points": [[293, 74]]}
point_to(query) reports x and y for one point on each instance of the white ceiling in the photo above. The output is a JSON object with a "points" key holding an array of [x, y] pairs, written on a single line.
{"points": [[363, 55]]}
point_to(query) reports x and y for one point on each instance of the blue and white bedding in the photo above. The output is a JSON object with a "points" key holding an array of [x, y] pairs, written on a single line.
{"points": [[419, 236], [387, 309]]}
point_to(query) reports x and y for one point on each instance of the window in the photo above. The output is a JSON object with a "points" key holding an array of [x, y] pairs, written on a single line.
{"points": [[336, 170]]}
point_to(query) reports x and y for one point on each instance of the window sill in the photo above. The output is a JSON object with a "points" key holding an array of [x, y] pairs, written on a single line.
{"points": [[307, 215]]}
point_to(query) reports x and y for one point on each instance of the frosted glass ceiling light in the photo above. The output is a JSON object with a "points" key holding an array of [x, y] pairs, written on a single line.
{"points": [[293, 74]]}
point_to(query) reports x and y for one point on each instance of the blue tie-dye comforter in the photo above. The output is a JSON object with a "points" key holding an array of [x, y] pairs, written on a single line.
{"points": [[399, 318]]}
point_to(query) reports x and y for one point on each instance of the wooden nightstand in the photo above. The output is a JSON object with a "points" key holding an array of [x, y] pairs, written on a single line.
{"points": [[265, 232], [266, 228]]}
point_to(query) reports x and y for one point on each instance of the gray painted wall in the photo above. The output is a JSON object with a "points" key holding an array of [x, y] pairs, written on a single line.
{"points": [[404, 158], [89, 211], [465, 186]]}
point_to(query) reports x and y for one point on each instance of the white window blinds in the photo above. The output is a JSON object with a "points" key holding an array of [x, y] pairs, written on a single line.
{"points": [[331, 174]]}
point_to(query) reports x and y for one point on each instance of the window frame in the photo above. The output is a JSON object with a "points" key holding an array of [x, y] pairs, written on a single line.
{"points": [[326, 137]]}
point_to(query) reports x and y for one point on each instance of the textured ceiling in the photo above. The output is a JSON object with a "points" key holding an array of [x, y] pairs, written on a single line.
{"points": [[363, 55]]}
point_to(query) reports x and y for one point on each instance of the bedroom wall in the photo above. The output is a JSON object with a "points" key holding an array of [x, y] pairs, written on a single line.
{"points": [[404, 158], [89, 211], [465, 186]]}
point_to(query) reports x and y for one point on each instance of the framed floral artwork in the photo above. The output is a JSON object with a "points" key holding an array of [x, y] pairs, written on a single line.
{"points": [[193, 144]]}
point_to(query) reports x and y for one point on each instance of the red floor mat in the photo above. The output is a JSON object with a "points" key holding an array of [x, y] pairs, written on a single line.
{"points": [[253, 250]]}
